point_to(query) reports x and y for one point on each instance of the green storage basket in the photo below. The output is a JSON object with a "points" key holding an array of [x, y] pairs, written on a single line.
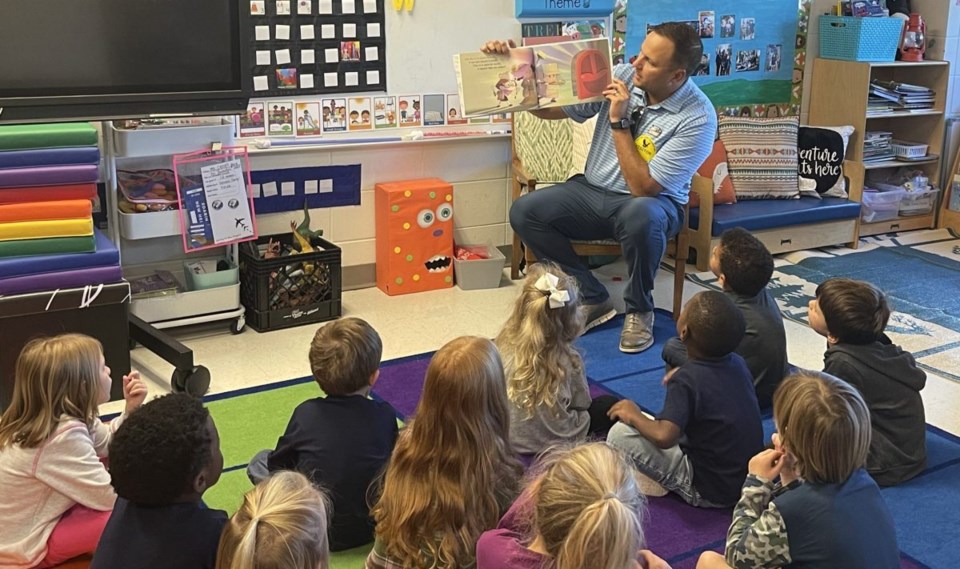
{"points": [[859, 39]]}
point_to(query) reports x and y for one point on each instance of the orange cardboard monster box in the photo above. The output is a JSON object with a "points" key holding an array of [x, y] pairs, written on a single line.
{"points": [[414, 235]]}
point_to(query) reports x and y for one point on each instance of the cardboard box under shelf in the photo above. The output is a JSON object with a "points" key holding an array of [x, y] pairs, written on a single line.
{"points": [[292, 290], [480, 273]]}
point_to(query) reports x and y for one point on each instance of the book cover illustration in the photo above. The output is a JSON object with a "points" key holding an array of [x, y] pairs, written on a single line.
{"points": [[548, 75]]}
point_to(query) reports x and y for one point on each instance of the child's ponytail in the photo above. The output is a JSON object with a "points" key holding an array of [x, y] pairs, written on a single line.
{"points": [[282, 524], [588, 509], [606, 535]]}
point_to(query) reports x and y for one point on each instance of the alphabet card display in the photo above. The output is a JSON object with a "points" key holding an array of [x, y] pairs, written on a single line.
{"points": [[303, 47]]}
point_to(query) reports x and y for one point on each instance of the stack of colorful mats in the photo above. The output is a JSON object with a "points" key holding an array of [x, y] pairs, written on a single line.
{"points": [[48, 177]]}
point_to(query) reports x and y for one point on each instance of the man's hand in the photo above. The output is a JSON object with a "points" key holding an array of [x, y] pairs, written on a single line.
{"points": [[767, 464], [626, 411], [618, 93], [498, 46]]}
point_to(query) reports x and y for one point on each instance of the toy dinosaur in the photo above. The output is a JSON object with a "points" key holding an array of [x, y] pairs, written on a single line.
{"points": [[304, 227]]}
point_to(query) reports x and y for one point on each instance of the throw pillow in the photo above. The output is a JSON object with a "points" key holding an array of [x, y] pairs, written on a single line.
{"points": [[821, 151], [715, 167], [762, 156]]}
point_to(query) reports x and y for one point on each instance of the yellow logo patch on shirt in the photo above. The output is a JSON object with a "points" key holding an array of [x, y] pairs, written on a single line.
{"points": [[646, 147]]}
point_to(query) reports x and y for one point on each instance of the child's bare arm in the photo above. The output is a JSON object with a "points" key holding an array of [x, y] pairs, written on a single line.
{"points": [[662, 433]]}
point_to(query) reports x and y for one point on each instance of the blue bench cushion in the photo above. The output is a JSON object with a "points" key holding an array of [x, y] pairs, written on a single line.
{"points": [[756, 215]]}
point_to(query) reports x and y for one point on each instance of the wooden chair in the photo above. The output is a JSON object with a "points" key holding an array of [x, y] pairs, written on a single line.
{"points": [[566, 144]]}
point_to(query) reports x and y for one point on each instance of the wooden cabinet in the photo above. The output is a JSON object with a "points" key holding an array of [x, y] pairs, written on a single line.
{"points": [[839, 97]]}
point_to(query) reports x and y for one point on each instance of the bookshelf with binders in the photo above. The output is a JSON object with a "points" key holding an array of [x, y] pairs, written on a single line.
{"points": [[896, 109]]}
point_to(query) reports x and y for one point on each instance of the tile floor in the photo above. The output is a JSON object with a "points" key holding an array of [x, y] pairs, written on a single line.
{"points": [[417, 323]]}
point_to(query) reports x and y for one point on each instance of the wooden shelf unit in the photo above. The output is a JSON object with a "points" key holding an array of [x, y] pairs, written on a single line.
{"points": [[839, 97]]}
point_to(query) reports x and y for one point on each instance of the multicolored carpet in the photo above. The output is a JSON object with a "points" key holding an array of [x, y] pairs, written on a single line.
{"points": [[927, 509], [918, 270]]}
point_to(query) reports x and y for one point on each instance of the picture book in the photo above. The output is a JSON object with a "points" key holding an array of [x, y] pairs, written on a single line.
{"points": [[538, 77]]}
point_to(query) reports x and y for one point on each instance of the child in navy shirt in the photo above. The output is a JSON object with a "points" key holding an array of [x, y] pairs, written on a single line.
{"points": [[162, 459], [699, 445], [340, 441]]}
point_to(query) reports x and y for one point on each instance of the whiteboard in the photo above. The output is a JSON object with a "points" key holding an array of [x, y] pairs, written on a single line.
{"points": [[421, 43]]}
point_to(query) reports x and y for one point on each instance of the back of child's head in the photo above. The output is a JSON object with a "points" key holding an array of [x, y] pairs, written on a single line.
{"points": [[282, 524], [715, 325], [744, 261], [53, 376], [453, 467], [160, 451], [855, 312], [824, 422], [344, 355], [588, 508], [536, 342]]}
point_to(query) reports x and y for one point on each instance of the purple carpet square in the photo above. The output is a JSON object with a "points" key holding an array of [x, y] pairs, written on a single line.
{"points": [[401, 382], [674, 527]]}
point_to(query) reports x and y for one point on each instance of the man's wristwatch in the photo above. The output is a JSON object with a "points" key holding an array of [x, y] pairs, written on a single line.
{"points": [[622, 124]]}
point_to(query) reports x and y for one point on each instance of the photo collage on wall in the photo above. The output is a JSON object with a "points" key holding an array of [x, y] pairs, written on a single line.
{"points": [[303, 47], [315, 117], [754, 51]]}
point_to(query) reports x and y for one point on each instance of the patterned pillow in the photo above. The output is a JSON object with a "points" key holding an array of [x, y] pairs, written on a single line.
{"points": [[531, 135], [821, 151], [582, 136], [762, 156], [715, 167]]}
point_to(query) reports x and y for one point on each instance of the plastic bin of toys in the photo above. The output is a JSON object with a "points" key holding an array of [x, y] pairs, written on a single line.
{"points": [[290, 289]]}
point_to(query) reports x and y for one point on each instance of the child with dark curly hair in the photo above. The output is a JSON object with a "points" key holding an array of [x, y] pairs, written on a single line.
{"points": [[162, 460]]}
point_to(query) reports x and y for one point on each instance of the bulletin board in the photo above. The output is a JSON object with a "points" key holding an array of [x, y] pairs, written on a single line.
{"points": [[306, 47], [755, 50]]}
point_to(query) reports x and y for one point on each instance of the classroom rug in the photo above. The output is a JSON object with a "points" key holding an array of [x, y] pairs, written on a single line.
{"points": [[926, 509], [918, 270]]}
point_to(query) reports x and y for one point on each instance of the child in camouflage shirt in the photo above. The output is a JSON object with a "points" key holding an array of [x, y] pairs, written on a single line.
{"points": [[826, 512]]}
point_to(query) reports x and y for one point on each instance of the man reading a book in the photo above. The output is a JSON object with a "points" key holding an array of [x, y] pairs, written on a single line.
{"points": [[654, 130]]}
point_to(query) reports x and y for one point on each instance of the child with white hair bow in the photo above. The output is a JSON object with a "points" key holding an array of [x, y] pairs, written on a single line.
{"points": [[550, 401]]}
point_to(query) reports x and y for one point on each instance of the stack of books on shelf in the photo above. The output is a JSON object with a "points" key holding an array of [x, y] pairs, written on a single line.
{"points": [[877, 147], [888, 96]]}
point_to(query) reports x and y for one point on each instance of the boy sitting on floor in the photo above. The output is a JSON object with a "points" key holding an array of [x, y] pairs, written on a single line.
{"points": [[853, 315], [743, 267], [340, 441], [699, 445], [162, 459]]}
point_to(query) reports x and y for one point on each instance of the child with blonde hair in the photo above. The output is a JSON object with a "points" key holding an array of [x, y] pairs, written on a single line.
{"points": [[546, 384], [282, 524], [453, 472], [57, 493], [583, 509], [826, 512]]}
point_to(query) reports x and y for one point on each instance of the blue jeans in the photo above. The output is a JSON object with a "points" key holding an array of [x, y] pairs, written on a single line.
{"points": [[546, 220], [670, 467]]}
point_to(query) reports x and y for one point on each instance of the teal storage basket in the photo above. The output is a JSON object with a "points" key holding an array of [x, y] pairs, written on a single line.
{"points": [[859, 39]]}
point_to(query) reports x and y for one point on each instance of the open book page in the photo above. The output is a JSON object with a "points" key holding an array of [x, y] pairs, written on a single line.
{"points": [[548, 75]]}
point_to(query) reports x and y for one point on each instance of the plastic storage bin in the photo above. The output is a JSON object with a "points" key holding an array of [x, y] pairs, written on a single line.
{"points": [[918, 203], [880, 205], [859, 39], [480, 273], [172, 140], [909, 150], [214, 279], [291, 290]]}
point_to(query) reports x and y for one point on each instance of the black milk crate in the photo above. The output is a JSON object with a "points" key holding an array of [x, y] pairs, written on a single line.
{"points": [[291, 290]]}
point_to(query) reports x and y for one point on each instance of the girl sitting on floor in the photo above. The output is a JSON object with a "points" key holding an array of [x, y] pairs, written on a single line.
{"points": [[549, 399], [57, 496], [583, 509], [282, 524], [453, 472]]}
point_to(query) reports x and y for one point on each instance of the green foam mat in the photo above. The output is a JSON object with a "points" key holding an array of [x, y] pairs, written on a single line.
{"points": [[23, 137]]}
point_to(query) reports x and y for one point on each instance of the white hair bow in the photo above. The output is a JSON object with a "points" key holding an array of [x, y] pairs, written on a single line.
{"points": [[548, 283]]}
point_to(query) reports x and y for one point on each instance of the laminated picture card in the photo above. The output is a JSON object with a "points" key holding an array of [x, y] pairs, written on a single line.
{"points": [[537, 77]]}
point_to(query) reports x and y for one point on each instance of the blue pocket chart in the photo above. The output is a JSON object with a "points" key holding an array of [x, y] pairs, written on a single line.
{"points": [[287, 189]]}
